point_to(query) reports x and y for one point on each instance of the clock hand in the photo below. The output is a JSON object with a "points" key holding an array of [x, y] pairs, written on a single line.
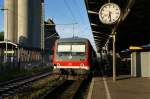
{"points": [[109, 16]]}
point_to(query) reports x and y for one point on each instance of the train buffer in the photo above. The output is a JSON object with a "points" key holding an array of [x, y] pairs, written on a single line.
{"points": [[125, 87]]}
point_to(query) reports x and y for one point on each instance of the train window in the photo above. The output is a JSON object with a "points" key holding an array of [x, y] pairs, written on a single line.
{"points": [[64, 48], [78, 48]]}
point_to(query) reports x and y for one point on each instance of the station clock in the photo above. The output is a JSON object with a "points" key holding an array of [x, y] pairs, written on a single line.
{"points": [[109, 13]]}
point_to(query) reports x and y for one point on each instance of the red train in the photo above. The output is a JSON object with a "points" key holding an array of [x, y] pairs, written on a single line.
{"points": [[74, 56]]}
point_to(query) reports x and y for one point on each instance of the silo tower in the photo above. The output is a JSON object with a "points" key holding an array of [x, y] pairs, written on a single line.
{"points": [[29, 22], [10, 20], [22, 22], [36, 22]]}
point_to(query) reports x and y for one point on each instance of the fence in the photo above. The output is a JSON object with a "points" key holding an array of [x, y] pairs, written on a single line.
{"points": [[23, 57]]}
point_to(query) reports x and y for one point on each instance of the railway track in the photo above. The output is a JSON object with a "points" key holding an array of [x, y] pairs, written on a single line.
{"points": [[65, 90], [10, 87]]}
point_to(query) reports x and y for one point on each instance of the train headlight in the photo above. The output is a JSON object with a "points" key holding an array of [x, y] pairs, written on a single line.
{"points": [[81, 65], [58, 64]]}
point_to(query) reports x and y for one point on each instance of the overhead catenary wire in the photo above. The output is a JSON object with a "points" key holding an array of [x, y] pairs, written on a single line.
{"points": [[78, 10], [73, 15], [68, 7], [80, 15]]}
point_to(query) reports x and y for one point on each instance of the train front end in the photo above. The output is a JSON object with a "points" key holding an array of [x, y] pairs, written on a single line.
{"points": [[71, 57]]}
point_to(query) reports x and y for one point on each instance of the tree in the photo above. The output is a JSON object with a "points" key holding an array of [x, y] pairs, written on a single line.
{"points": [[1, 36]]}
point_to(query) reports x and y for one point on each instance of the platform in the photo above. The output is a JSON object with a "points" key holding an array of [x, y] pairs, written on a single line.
{"points": [[124, 88]]}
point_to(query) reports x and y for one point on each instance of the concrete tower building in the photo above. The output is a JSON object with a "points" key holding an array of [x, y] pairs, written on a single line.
{"points": [[36, 24], [10, 20], [24, 22]]}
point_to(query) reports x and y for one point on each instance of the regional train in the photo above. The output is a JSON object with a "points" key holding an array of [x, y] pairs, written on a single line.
{"points": [[74, 56]]}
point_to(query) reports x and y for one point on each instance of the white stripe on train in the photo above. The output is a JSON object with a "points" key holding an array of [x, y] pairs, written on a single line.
{"points": [[74, 67]]}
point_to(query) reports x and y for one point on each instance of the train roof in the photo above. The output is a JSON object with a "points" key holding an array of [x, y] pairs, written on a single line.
{"points": [[73, 39]]}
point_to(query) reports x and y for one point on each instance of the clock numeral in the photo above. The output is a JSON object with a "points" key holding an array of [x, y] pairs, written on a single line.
{"points": [[117, 13]]}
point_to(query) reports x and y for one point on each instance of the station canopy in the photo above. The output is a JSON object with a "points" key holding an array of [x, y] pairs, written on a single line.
{"points": [[132, 30], [9, 45]]}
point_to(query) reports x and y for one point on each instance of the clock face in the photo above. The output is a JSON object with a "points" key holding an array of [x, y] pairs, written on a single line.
{"points": [[109, 13]]}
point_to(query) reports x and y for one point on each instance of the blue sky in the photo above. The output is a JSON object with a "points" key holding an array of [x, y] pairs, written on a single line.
{"points": [[65, 12], [1, 16]]}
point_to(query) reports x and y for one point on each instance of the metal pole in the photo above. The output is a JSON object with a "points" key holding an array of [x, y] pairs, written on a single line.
{"points": [[7, 35], [42, 27], [42, 31], [73, 30], [18, 57], [114, 58], [101, 64]]}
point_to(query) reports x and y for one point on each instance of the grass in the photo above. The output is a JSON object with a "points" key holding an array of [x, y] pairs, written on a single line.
{"points": [[37, 89], [13, 73], [8, 73]]}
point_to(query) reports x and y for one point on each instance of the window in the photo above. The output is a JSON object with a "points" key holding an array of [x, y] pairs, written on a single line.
{"points": [[64, 48], [78, 48]]}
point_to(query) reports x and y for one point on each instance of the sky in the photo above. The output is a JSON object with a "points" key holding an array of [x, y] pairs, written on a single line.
{"points": [[70, 17], [1, 16]]}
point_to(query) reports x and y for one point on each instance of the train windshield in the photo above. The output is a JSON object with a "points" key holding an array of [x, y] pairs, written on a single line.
{"points": [[71, 51]]}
